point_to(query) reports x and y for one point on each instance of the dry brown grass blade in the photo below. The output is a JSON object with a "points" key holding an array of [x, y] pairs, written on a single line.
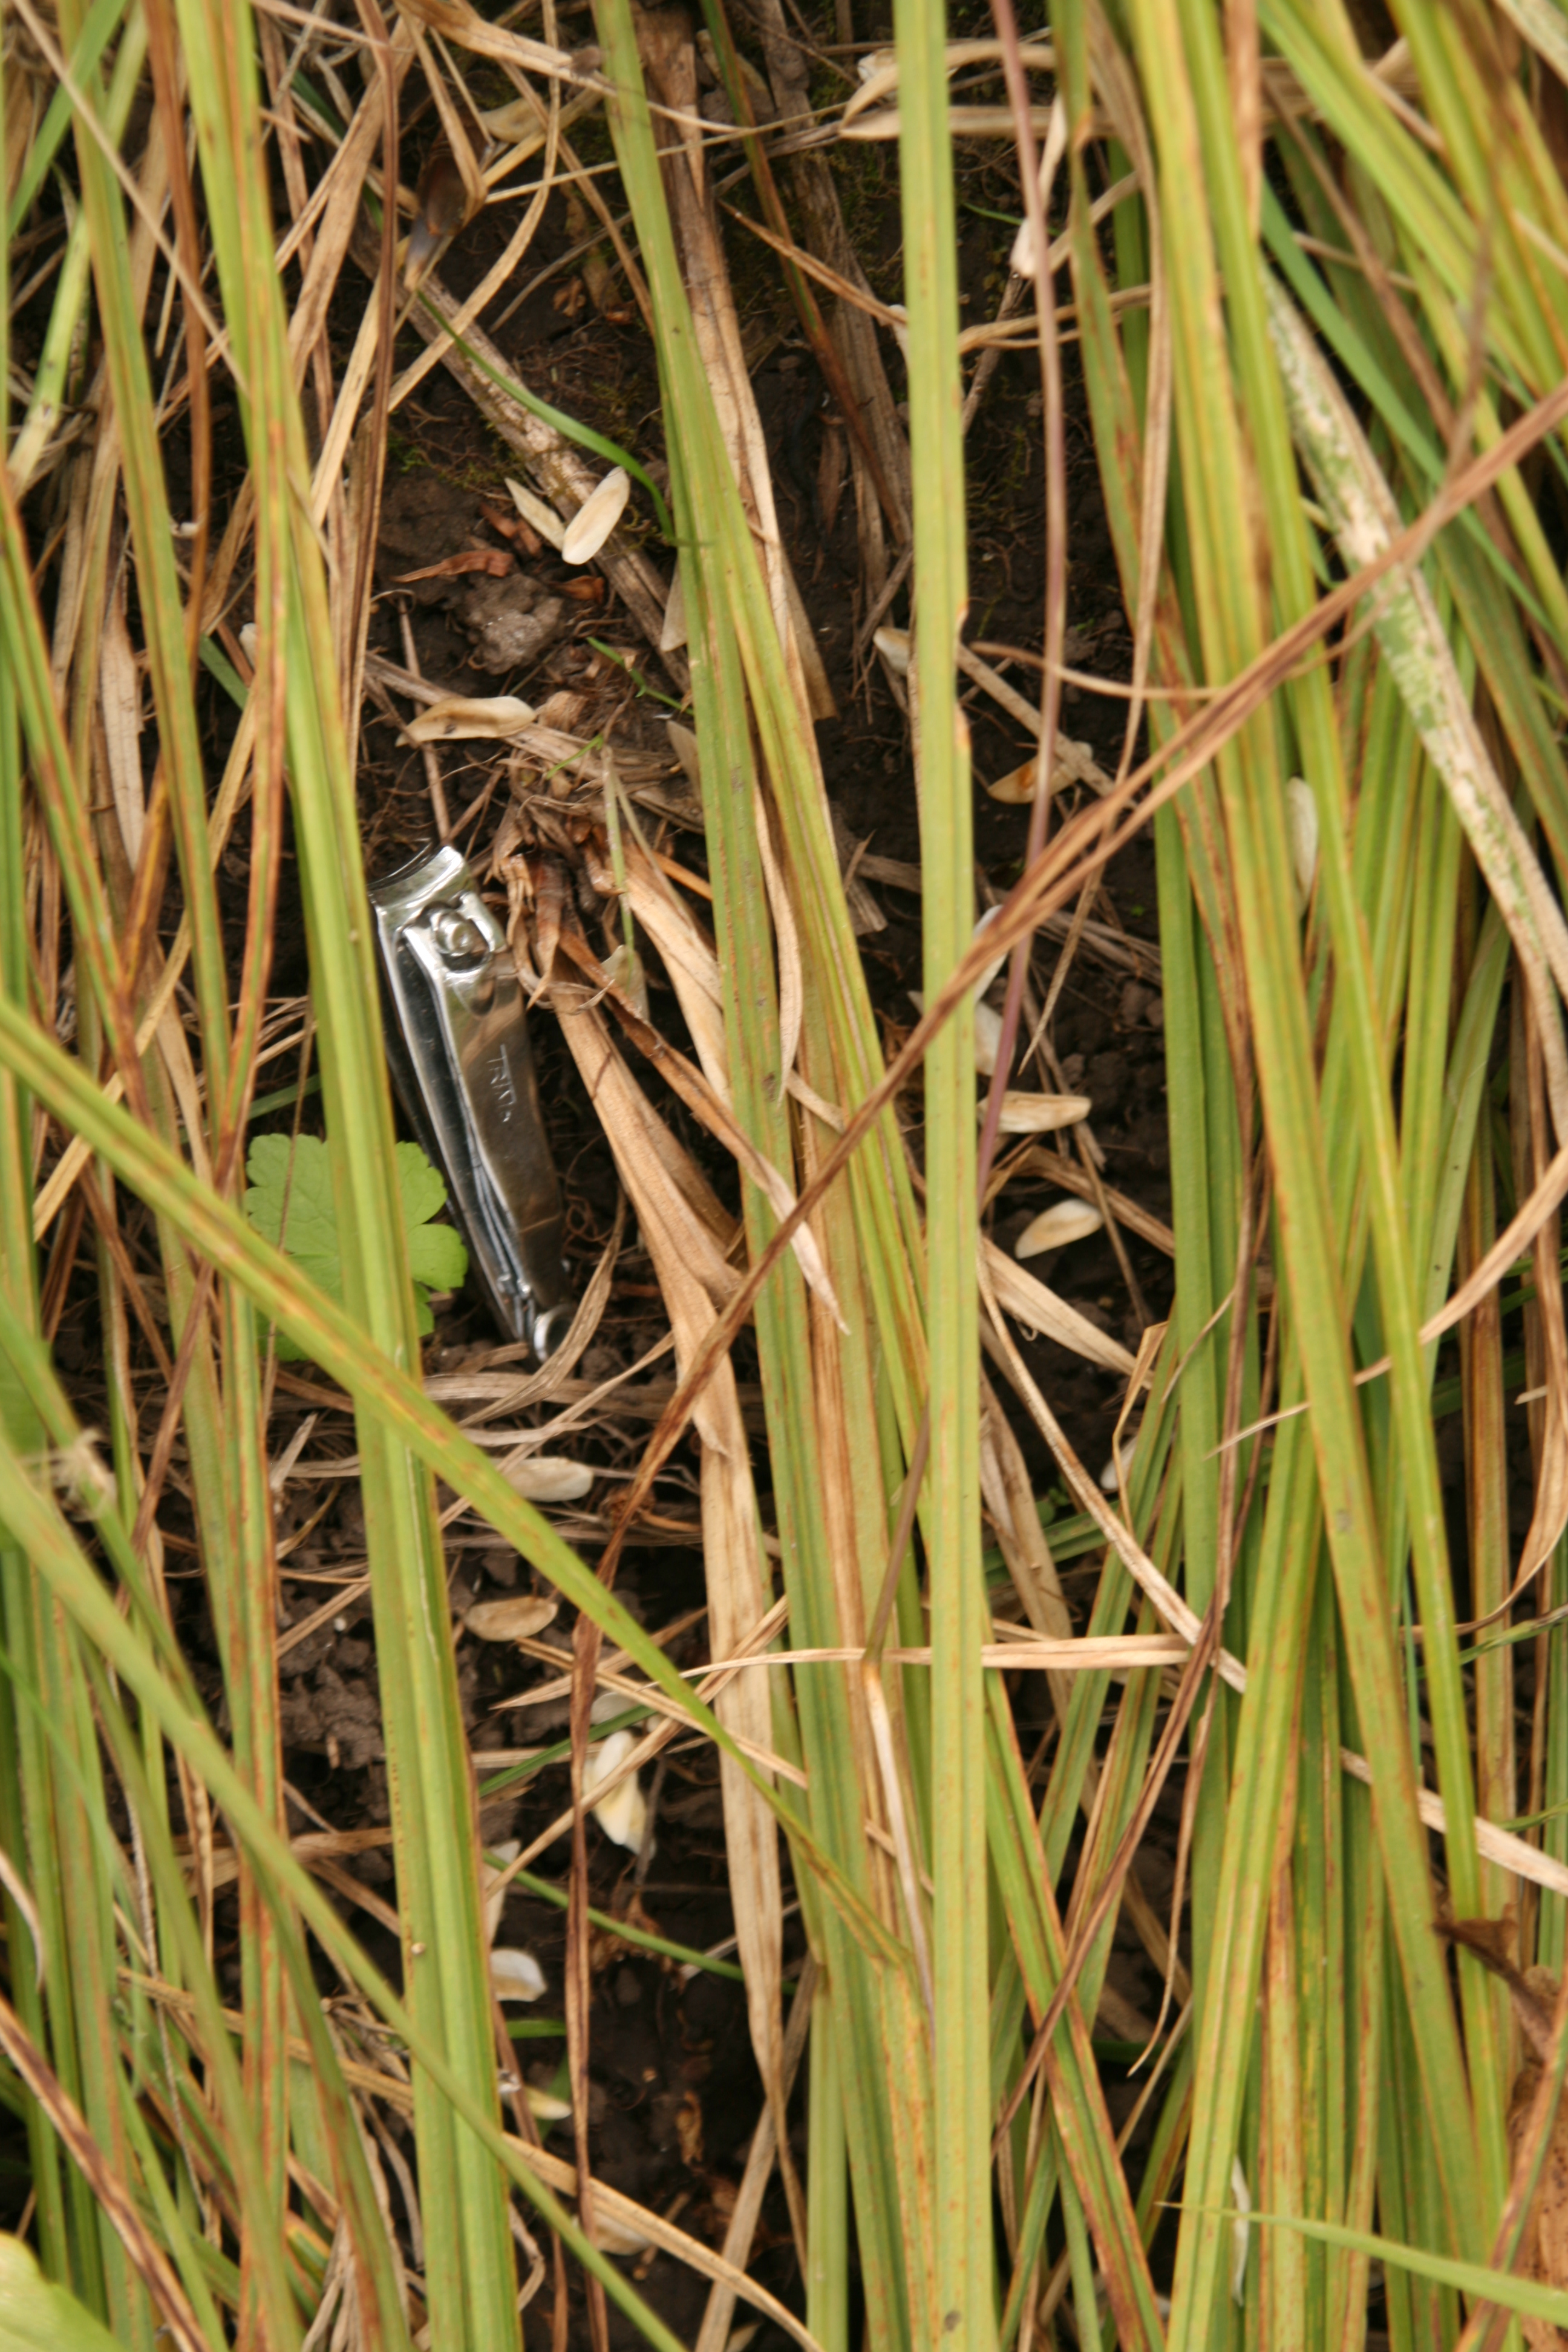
{"points": [[670, 60], [503, 270], [627, 2215], [689, 961], [455, 21], [1038, 1309], [694, 1090], [714, 2333], [832, 281], [339, 196], [733, 1561], [1072, 762], [1550, 1514], [852, 331], [1009, 1496]]}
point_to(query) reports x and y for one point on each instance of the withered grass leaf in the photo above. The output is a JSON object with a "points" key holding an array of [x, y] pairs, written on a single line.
{"points": [[1544, 2249], [513, 527], [1533, 1990], [689, 2131], [497, 562]]}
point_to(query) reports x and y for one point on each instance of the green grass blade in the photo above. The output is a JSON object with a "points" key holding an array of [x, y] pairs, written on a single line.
{"points": [[964, 2259]]}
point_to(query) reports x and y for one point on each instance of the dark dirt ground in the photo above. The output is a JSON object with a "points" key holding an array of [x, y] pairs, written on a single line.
{"points": [[674, 2093]]}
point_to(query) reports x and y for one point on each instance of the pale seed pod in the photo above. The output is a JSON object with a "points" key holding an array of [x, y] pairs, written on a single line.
{"points": [[683, 743], [544, 2107], [673, 633], [515, 1974], [514, 1620], [1018, 786], [1301, 819], [1028, 1114], [1063, 1221], [987, 1038], [548, 1478], [594, 521], [533, 510], [490, 717], [623, 1816]]}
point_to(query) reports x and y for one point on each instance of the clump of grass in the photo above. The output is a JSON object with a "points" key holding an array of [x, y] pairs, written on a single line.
{"points": [[1321, 315]]}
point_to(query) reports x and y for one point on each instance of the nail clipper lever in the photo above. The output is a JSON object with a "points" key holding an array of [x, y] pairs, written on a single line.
{"points": [[461, 1056]]}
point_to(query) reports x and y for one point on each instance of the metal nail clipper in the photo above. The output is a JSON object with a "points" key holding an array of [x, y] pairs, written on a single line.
{"points": [[462, 1060]]}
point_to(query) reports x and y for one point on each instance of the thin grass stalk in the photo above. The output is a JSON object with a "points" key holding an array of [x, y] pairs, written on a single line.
{"points": [[1385, 1000], [1549, 1778], [470, 2275], [53, 383], [18, 1280], [234, 1521], [163, 614], [1203, 1133], [1255, 824], [50, 1825], [1392, 1217], [69, 2232], [1154, 1488], [1447, 246], [81, 1837], [91, 1953], [263, 2290], [1486, 1454], [1207, 1175], [828, 2189], [162, 1686], [738, 867], [785, 1345], [818, 1387], [1285, 2123], [224, 1422], [1367, 2038], [964, 2260], [1327, 2048], [1077, 2101], [33, 168], [1473, 558]]}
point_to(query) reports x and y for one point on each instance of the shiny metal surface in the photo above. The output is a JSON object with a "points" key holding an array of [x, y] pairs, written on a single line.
{"points": [[460, 1056]]}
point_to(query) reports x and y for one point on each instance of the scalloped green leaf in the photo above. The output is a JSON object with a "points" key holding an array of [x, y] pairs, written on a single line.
{"points": [[37, 2316], [291, 1202]]}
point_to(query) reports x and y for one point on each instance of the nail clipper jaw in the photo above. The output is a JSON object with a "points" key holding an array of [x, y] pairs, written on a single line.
{"points": [[457, 1044]]}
